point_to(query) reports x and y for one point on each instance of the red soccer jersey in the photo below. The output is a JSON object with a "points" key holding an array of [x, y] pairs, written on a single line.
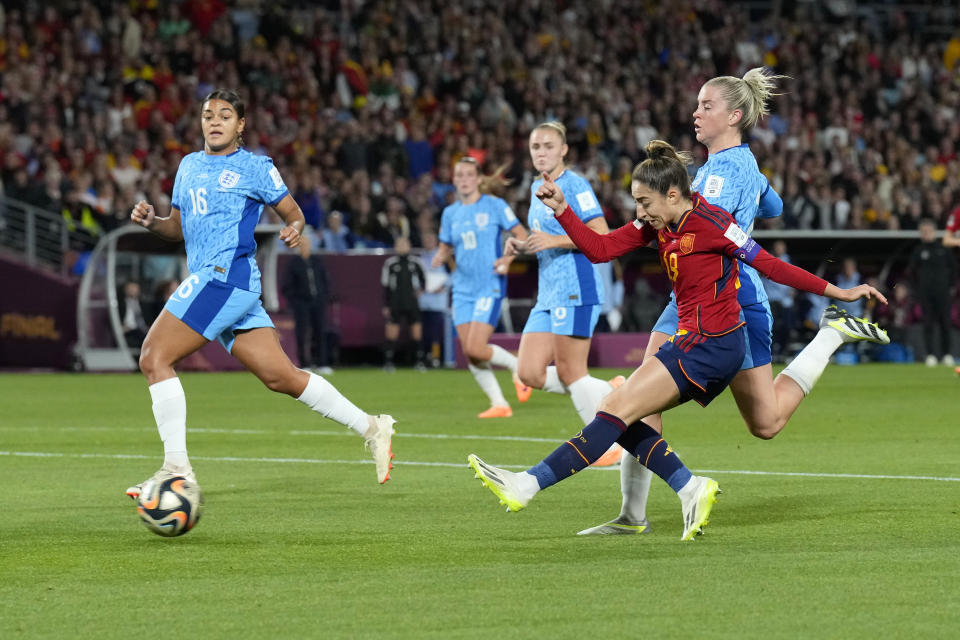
{"points": [[953, 222], [699, 254]]}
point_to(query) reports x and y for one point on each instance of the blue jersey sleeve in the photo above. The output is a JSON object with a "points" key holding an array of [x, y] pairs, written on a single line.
{"points": [[771, 205], [583, 201], [506, 219], [445, 234], [175, 195], [269, 186]]}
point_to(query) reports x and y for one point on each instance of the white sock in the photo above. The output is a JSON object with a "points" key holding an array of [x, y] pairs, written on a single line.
{"points": [[503, 358], [323, 397], [688, 491], [170, 412], [586, 394], [635, 482], [527, 484], [806, 368], [483, 374], [553, 383]]}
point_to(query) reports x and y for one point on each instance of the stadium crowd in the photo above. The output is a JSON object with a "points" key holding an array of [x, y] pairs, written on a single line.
{"points": [[365, 106]]}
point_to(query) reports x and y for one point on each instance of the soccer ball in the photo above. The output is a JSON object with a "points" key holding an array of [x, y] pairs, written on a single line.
{"points": [[170, 506]]}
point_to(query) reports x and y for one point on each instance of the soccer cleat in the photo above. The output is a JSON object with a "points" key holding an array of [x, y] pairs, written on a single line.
{"points": [[611, 457], [379, 443], [696, 511], [497, 411], [500, 482], [166, 471], [851, 328], [617, 527], [523, 391]]}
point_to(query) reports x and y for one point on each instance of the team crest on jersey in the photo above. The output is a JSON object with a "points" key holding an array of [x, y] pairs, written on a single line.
{"points": [[229, 179], [482, 219], [686, 243]]}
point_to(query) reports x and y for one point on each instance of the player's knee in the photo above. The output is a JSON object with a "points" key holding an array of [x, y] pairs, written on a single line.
{"points": [[764, 431], [532, 377], [278, 381], [474, 353]]}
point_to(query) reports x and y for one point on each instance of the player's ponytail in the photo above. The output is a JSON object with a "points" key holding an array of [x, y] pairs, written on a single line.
{"points": [[488, 183], [665, 167], [750, 94]]}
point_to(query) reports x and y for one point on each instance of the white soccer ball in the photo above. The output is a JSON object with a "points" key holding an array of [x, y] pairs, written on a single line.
{"points": [[170, 506]]}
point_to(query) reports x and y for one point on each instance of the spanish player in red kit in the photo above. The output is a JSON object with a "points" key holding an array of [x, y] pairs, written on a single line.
{"points": [[951, 237], [700, 246]]}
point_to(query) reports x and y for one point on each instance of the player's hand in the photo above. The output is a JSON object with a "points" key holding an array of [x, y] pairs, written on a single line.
{"points": [[437, 260], [290, 236], [502, 264], [862, 291], [514, 246], [539, 241], [143, 214], [551, 195]]}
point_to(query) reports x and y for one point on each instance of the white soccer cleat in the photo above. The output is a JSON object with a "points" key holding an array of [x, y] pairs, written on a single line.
{"points": [[619, 526], [851, 328], [501, 482], [378, 440], [166, 471], [696, 510]]}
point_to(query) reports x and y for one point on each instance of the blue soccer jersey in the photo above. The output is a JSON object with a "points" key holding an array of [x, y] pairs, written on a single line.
{"points": [[731, 180], [220, 199], [566, 278], [473, 230]]}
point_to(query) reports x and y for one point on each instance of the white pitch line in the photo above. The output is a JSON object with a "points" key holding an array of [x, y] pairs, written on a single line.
{"points": [[299, 432], [460, 465]]}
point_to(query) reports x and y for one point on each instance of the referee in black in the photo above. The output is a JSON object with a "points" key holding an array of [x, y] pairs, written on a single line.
{"points": [[934, 272], [403, 281]]}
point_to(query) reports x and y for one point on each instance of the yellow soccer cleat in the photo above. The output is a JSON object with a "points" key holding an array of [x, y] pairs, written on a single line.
{"points": [[851, 328], [696, 511], [617, 527], [501, 482]]}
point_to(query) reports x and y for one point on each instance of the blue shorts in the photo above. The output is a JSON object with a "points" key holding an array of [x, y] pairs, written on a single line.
{"points": [[215, 309], [759, 321], [702, 367], [469, 309], [564, 321]]}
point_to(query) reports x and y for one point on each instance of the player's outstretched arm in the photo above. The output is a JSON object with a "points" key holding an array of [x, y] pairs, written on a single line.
{"points": [[855, 293], [167, 228]]}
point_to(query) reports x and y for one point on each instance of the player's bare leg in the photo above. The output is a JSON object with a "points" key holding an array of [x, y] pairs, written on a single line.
{"points": [[168, 342], [481, 356], [260, 352]]}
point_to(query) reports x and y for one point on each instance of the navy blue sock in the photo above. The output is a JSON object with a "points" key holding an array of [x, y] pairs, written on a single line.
{"points": [[653, 452], [580, 451]]}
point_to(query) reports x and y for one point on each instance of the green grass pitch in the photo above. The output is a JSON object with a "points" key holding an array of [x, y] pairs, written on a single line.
{"points": [[850, 530]]}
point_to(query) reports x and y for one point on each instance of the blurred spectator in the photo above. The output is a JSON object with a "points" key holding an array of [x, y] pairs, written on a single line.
{"points": [[336, 236], [782, 305], [934, 273], [306, 288], [848, 278], [131, 315], [434, 302]]}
